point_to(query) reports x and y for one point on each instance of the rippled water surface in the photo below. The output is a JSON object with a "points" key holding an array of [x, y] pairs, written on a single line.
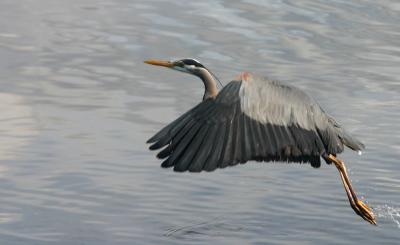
{"points": [[77, 105]]}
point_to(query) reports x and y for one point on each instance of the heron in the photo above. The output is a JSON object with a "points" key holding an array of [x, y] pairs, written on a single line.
{"points": [[253, 118]]}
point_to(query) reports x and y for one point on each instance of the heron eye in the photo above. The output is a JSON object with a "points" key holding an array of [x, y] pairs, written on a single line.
{"points": [[179, 63]]}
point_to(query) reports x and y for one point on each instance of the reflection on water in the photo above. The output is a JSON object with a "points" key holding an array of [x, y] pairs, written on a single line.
{"points": [[77, 105], [18, 127]]}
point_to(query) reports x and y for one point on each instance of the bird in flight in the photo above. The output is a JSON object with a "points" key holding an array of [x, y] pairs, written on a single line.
{"points": [[253, 118]]}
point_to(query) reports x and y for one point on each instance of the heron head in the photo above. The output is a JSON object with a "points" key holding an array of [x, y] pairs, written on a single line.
{"points": [[190, 66]]}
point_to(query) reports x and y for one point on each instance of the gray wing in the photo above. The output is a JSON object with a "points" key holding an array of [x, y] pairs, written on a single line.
{"points": [[249, 120]]}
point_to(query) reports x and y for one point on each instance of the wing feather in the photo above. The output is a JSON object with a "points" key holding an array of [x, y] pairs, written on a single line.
{"points": [[212, 161], [228, 148], [244, 139], [188, 155], [203, 152], [182, 146]]}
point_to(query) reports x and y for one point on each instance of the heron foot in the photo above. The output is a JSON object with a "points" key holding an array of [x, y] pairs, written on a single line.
{"points": [[364, 211]]}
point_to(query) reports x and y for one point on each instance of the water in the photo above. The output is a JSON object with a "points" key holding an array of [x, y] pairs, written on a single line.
{"points": [[77, 105]]}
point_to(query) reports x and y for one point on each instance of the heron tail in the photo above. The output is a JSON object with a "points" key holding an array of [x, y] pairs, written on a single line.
{"points": [[346, 138], [351, 141]]}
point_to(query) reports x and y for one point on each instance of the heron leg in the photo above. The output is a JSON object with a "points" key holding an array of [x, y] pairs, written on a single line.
{"points": [[358, 206]]}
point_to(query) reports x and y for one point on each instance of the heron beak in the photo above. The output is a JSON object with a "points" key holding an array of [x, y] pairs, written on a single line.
{"points": [[159, 63]]}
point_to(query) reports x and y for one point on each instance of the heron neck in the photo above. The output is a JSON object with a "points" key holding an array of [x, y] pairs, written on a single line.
{"points": [[210, 85]]}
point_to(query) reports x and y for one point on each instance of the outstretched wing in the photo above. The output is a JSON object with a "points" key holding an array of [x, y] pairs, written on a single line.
{"points": [[252, 119]]}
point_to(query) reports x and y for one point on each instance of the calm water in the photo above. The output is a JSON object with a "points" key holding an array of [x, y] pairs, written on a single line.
{"points": [[77, 105]]}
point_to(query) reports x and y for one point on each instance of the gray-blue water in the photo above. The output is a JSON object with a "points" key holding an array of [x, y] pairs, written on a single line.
{"points": [[77, 105]]}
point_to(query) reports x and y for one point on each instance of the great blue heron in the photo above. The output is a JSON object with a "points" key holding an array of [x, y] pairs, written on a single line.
{"points": [[253, 118]]}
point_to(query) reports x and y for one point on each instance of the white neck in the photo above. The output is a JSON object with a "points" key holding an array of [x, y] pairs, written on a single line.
{"points": [[210, 85]]}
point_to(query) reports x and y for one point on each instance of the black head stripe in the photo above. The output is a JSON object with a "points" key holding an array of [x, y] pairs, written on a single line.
{"points": [[192, 62]]}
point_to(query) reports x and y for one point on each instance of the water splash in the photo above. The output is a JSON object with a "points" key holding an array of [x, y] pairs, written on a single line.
{"points": [[388, 212]]}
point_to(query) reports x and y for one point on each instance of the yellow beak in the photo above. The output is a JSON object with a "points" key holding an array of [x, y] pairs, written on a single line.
{"points": [[159, 63]]}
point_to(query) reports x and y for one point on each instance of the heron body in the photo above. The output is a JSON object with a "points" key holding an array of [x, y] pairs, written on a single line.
{"points": [[253, 118]]}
